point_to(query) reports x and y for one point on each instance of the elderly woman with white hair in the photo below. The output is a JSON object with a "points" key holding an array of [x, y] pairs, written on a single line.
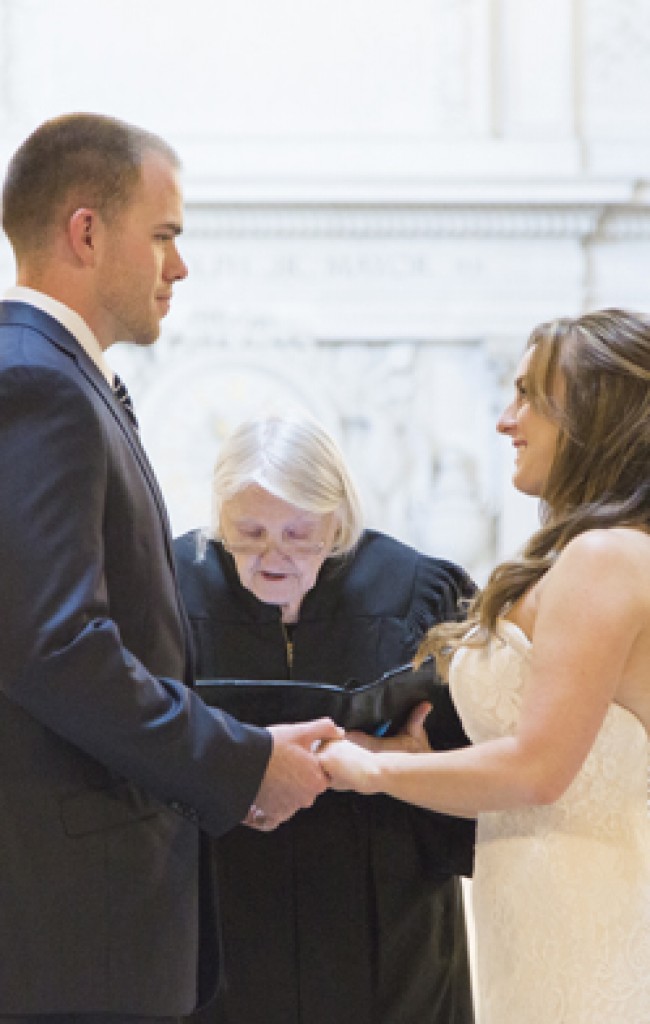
{"points": [[351, 913]]}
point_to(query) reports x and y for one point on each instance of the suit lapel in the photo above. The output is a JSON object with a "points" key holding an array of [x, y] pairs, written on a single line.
{"points": [[21, 314]]}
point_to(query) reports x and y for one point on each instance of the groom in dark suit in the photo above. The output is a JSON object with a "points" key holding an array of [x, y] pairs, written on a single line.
{"points": [[110, 764]]}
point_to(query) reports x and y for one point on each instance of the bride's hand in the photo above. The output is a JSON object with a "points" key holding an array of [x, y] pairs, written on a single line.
{"points": [[349, 765]]}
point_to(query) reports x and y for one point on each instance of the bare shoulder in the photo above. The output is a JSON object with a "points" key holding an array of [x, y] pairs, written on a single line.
{"points": [[612, 561], [607, 547]]}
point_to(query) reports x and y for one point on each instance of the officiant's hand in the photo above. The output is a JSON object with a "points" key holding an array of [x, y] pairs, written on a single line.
{"points": [[350, 763], [412, 738]]}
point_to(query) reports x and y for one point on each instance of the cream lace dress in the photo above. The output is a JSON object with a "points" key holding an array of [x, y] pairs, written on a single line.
{"points": [[561, 893]]}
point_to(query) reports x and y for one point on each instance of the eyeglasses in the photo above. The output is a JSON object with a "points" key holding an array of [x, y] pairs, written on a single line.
{"points": [[288, 548]]}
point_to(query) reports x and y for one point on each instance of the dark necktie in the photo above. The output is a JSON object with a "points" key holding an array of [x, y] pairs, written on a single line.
{"points": [[121, 393]]}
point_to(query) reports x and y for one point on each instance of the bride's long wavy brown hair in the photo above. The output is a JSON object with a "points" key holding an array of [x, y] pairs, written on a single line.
{"points": [[600, 475]]}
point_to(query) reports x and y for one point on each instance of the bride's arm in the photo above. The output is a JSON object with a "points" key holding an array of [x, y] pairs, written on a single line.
{"points": [[588, 617]]}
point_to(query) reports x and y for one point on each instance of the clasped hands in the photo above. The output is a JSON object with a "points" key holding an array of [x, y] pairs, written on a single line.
{"points": [[310, 757]]}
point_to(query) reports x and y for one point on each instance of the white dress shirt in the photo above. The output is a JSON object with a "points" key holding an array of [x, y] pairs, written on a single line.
{"points": [[68, 318]]}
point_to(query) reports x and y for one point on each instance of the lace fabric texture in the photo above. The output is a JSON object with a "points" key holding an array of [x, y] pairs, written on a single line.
{"points": [[561, 893]]}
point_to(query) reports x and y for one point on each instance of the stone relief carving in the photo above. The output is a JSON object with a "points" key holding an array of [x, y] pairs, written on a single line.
{"points": [[410, 416]]}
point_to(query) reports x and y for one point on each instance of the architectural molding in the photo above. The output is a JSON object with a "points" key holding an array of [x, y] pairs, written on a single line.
{"points": [[364, 220]]}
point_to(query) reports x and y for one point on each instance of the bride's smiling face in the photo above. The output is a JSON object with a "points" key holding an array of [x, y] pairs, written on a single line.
{"points": [[534, 435], [278, 548]]}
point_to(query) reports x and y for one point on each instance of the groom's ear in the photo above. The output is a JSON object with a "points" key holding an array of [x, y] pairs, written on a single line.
{"points": [[85, 231]]}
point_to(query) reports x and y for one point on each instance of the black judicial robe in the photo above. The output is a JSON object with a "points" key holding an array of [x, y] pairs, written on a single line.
{"points": [[350, 913]]}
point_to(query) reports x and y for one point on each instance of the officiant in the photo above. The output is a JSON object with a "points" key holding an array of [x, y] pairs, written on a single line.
{"points": [[351, 913]]}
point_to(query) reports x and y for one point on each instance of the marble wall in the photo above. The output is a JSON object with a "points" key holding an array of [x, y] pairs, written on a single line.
{"points": [[382, 199]]}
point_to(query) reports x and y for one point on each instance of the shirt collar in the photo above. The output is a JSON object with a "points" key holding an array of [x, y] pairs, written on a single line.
{"points": [[70, 319]]}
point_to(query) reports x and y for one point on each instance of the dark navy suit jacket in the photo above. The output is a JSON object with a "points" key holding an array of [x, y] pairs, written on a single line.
{"points": [[108, 760]]}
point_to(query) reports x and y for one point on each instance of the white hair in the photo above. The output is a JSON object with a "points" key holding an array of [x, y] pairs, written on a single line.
{"points": [[295, 459]]}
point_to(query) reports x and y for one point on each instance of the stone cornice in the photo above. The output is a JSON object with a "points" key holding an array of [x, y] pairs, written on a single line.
{"points": [[499, 220]]}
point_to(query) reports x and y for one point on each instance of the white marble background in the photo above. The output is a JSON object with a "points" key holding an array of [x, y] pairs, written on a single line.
{"points": [[383, 197]]}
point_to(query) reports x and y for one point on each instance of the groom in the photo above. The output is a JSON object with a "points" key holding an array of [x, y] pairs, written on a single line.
{"points": [[110, 765]]}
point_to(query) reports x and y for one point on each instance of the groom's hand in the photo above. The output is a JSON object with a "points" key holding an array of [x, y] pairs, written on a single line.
{"points": [[294, 776]]}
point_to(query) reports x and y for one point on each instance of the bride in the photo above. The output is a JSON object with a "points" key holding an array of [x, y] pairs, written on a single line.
{"points": [[551, 676]]}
